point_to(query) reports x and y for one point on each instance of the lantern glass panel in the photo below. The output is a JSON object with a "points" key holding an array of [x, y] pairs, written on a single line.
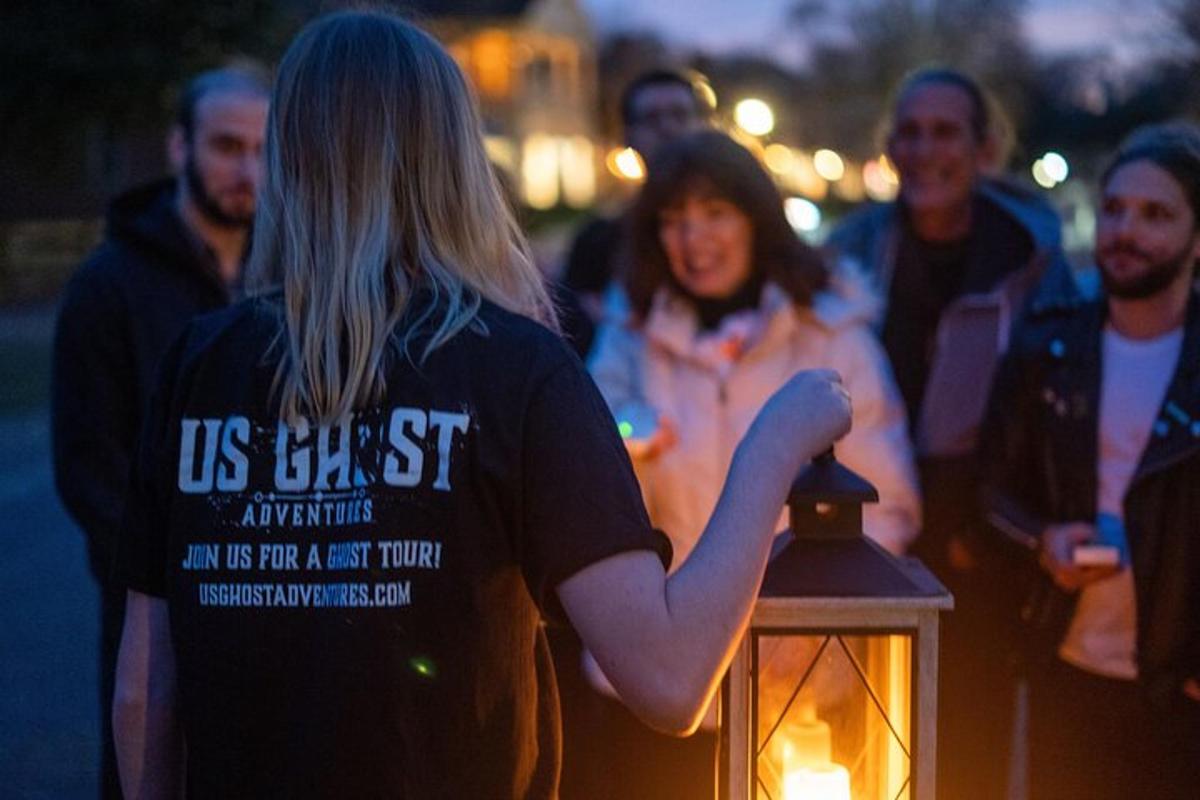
{"points": [[833, 716]]}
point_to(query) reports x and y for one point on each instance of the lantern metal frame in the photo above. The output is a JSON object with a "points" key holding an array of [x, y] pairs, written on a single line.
{"points": [[830, 580], [916, 617]]}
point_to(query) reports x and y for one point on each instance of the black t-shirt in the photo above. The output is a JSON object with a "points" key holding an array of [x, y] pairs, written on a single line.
{"points": [[929, 276], [355, 611]]}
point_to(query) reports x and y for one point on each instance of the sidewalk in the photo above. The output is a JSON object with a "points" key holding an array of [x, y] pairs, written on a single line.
{"points": [[49, 742]]}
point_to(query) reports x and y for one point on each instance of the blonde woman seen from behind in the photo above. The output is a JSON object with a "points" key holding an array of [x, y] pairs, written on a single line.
{"points": [[360, 491]]}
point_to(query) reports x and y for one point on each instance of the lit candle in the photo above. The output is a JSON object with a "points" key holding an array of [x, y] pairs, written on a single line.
{"points": [[828, 782], [808, 741]]}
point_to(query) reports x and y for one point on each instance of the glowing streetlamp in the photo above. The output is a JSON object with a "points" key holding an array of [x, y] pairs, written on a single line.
{"points": [[802, 214], [706, 92], [880, 180], [829, 165], [626, 163], [779, 158], [754, 116], [1056, 166], [1050, 170]]}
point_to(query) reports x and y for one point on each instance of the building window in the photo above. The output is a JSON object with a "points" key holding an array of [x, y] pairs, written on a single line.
{"points": [[558, 169], [490, 59]]}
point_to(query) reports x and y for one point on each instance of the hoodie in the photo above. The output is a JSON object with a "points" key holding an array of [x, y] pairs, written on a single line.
{"points": [[974, 330], [119, 313]]}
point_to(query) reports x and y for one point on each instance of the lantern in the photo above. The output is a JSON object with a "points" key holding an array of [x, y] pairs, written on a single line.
{"points": [[832, 693]]}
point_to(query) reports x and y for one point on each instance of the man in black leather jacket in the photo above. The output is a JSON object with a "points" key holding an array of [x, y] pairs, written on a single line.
{"points": [[1092, 460]]}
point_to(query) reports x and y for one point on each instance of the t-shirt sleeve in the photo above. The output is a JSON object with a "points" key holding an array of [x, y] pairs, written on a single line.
{"points": [[582, 501], [142, 545]]}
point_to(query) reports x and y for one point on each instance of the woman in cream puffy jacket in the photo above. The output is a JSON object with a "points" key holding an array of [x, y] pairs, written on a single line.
{"points": [[725, 304]]}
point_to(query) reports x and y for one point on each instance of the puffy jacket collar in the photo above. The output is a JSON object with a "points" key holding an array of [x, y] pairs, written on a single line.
{"points": [[847, 301], [1026, 208], [870, 236], [1030, 210]]}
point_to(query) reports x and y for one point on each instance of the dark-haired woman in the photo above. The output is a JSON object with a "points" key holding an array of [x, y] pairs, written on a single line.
{"points": [[727, 302]]}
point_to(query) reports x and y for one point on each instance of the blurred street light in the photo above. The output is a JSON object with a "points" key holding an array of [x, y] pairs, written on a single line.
{"points": [[1050, 170], [1042, 176], [754, 116], [803, 177], [779, 158], [889, 170], [626, 164], [539, 171], [706, 91], [879, 180], [829, 165], [802, 214], [1056, 166]]}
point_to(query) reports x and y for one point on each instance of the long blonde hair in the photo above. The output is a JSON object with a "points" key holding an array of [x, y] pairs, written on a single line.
{"points": [[376, 186]]}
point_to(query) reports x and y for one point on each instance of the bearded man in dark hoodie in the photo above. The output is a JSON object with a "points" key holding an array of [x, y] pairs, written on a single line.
{"points": [[173, 249]]}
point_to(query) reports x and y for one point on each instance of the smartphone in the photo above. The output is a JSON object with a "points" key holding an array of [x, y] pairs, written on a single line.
{"points": [[1096, 555], [1110, 547]]}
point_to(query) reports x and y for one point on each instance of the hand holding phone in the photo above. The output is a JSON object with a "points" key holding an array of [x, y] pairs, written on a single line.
{"points": [[1060, 543], [1093, 554]]}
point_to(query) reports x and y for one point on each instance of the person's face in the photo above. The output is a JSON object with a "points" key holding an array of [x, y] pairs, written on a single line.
{"points": [[660, 113], [1146, 235], [709, 244], [934, 149], [222, 160]]}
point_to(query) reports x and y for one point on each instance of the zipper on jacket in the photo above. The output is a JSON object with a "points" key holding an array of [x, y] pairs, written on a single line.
{"points": [[724, 432]]}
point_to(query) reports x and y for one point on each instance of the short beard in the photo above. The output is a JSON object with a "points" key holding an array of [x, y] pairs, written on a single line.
{"points": [[207, 204], [1156, 279]]}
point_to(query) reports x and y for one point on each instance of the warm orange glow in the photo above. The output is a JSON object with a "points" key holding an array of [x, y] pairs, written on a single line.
{"points": [[803, 178], [576, 160], [539, 171], [889, 170], [850, 188], [706, 92], [832, 737], [779, 158], [899, 708], [829, 165], [491, 53], [878, 181], [626, 164], [826, 782], [754, 116], [501, 151]]}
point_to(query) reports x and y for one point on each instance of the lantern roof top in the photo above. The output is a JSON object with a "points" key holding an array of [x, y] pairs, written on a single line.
{"points": [[844, 568], [826, 480]]}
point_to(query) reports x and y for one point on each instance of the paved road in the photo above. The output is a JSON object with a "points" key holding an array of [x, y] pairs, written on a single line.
{"points": [[49, 735]]}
